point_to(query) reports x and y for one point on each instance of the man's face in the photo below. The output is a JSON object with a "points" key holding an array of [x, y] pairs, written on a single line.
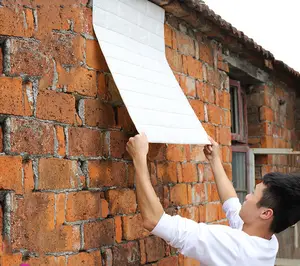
{"points": [[249, 211]]}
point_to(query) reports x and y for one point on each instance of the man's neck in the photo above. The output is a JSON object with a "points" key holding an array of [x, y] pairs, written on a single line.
{"points": [[252, 230]]}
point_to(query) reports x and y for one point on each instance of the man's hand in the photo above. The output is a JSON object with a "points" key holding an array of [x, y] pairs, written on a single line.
{"points": [[211, 151], [138, 147]]}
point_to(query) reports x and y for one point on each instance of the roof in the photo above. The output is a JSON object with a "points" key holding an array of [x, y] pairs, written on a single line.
{"points": [[202, 9]]}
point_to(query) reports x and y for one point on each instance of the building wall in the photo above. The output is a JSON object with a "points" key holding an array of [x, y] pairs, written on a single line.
{"points": [[67, 184]]}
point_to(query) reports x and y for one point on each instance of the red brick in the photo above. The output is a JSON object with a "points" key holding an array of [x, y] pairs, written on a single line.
{"points": [[118, 141], [11, 173], [176, 152], [178, 194], [57, 174], [133, 227], [189, 172], [228, 170], [80, 80], [225, 100], [214, 114], [224, 136], [46, 260], [11, 259], [212, 192], [198, 108], [56, 106], [167, 172], [121, 201], [202, 213], [168, 261], [185, 44], [174, 59], [86, 142], [192, 67], [143, 251], [28, 177], [66, 48], [118, 229], [188, 85], [226, 154], [124, 120], [196, 153], [60, 200], [31, 137], [85, 259], [206, 52], [98, 114], [210, 129], [13, 97], [107, 173], [190, 213], [205, 92], [94, 56], [208, 174], [83, 206], [98, 234], [267, 142], [155, 248], [34, 227], [266, 114], [185, 261], [168, 35], [13, 20], [1, 61], [212, 212], [61, 142], [126, 254], [157, 152]]}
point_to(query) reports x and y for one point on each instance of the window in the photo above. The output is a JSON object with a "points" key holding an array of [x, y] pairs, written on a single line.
{"points": [[239, 140]]}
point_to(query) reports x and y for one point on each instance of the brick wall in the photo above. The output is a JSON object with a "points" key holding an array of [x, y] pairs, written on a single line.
{"points": [[66, 182]]}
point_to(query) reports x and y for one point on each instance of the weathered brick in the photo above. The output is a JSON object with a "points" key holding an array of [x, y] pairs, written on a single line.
{"points": [[84, 205], [124, 121], [31, 136], [186, 261], [167, 172], [97, 234], [174, 59], [198, 193], [118, 141], [14, 98], [178, 194], [188, 85], [212, 192], [107, 173], [266, 114], [212, 212], [98, 114], [185, 44], [190, 213], [86, 142], [58, 174], [118, 228], [126, 254], [189, 172], [11, 173], [61, 142], [198, 108], [28, 176], [168, 35], [46, 260], [121, 201], [214, 114], [224, 136], [168, 261], [267, 142], [94, 56], [107, 89], [133, 227], [155, 248], [192, 67], [80, 80], [157, 152], [208, 174], [196, 153], [85, 259], [205, 92], [16, 22], [176, 152], [56, 106], [34, 229], [226, 154], [11, 259], [210, 129]]}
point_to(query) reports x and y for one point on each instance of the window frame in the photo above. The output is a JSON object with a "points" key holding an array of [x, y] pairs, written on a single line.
{"points": [[242, 135]]}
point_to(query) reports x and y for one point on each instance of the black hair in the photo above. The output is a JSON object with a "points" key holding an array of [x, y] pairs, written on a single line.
{"points": [[282, 195]]}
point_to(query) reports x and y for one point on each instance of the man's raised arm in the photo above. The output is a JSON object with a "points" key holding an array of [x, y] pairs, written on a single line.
{"points": [[224, 185]]}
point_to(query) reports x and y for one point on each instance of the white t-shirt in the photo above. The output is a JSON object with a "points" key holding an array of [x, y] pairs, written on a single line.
{"points": [[218, 244]]}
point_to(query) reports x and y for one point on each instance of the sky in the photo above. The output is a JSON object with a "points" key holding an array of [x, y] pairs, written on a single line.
{"points": [[273, 24]]}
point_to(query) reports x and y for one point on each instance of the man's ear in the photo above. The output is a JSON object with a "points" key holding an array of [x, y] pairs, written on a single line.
{"points": [[266, 213]]}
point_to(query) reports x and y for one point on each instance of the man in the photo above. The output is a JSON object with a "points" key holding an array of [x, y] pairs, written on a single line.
{"points": [[250, 239]]}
